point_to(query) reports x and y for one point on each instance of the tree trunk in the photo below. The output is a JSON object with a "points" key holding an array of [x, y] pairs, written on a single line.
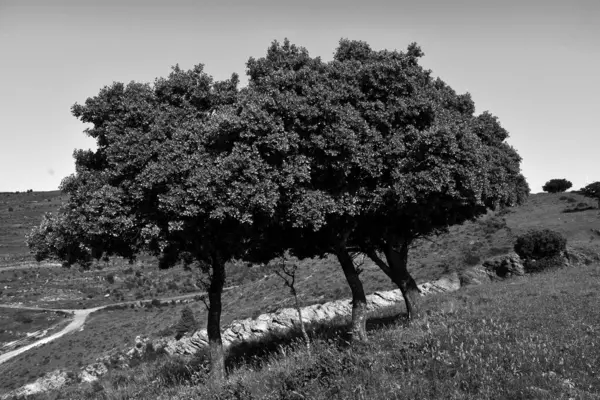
{"points": [[396, 253], [359, 300], [215, 344], [302, 327]]}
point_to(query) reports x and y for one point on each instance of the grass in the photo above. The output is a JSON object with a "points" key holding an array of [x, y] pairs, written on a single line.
{"points": [[534, 337], [19, 213], [15, 324]]}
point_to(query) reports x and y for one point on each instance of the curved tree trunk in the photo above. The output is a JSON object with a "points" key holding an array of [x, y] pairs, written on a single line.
{"points": [[359, 300], [215, 343], [396, 254]]}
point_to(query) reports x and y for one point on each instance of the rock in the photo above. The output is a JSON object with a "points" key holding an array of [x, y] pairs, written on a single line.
{"points": [[477, 275], [505, 266], [141, 342], [579, 257], [260, 326], [50, 381], [91, 372]]}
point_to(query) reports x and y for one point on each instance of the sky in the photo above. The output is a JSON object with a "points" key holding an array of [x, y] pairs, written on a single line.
{"points": [[534, 64]]}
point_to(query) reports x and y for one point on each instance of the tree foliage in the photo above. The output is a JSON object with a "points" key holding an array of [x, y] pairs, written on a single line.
{"points": [[592, 191], [364, 153], [557, 186], [376, 152], [159, 183]]}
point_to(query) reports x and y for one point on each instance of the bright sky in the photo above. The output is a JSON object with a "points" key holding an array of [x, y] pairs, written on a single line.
{"points": [[534, 64]]}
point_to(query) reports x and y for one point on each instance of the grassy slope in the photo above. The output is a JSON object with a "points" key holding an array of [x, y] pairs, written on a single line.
{"points": [[319, 280], [14, 324], [535, 337], [27, 210]]}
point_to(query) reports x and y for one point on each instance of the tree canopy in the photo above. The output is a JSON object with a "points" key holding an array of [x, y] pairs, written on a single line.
{"points": [[593, 191], [379, 153], [363, 153], [557, 186]]}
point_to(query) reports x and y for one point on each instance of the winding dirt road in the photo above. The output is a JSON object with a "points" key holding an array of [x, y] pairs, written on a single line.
{"points": [[79, 318]]}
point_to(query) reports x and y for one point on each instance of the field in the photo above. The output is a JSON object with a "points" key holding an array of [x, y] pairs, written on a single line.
{"points": [[256, 289]]}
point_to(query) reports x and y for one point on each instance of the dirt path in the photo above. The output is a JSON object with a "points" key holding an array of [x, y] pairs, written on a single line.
{"points": [[28, 265], [79, 318]]}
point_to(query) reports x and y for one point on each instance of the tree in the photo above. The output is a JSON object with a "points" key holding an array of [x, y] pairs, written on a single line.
{"points": [[557, 186], [287, 273], [592, 191], [158, 183], [373, 154]]}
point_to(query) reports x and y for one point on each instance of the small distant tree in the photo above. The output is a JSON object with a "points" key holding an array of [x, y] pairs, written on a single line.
{"points": [[187, 323], [287, 273], [557, 186], [592, 191]]}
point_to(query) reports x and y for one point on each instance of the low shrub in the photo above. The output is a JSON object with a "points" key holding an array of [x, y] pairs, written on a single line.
{"points": [[540, 243], [110, 278], [541, 249], [582, 206], [187, 323]]}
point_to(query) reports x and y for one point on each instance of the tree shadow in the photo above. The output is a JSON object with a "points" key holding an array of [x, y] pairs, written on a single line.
{"points": [[336, 332]]}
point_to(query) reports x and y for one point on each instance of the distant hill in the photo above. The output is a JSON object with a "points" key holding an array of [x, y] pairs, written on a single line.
{"points": [[19, 212]]}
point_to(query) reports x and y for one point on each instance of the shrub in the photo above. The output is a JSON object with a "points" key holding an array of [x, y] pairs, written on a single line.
{"points": [[592, 191], [540, 243], [579, 207], [540, 249], [110, 278], [10, 209], [187, 323], [557, 185]]}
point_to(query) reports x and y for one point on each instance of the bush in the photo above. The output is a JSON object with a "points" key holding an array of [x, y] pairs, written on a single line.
{"points": [[540, 249], [540, 243], [187, 323], [557, 185], [579, 207], [110, 278], [10, 209], [592, 191]]}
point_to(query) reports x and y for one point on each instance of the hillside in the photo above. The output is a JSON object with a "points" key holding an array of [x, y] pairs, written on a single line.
{"points": [[257, 289], [533, 337], [19, 212]]}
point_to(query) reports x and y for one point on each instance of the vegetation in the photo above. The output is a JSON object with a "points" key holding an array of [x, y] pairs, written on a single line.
{"points": [[522, 338], [187, 323], [540, 249], [364, 154], [257, 289], [557, 185], [593, 191]]}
